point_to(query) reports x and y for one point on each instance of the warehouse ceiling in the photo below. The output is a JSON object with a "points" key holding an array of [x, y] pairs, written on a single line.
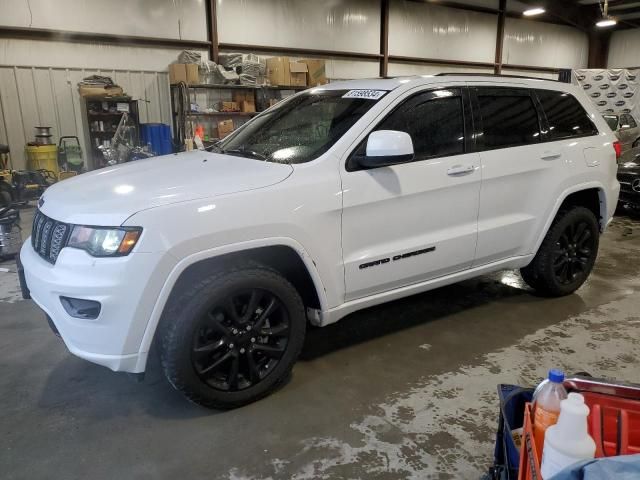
{"points": [[626, 12]]}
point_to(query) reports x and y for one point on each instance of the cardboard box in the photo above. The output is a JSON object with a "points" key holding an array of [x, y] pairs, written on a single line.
{"points": [[239, 96], [248, 106], [184, 72], [229, 107], [177, 73], [298, 72], [316, 74], [100, 91], [225, 127], [193, 74], [278, 71]]}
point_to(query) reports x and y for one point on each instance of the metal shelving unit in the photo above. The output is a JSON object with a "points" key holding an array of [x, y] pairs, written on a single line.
{"points": [[224, 114], [102, 118], [261, 96]]}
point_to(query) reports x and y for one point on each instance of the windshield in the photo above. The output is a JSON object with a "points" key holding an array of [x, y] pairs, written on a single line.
{"points": [[612, 121], [302, 127]]}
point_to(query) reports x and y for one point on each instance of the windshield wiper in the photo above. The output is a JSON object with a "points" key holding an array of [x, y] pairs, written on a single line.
{"points": [[215, 147], [243, 152]]}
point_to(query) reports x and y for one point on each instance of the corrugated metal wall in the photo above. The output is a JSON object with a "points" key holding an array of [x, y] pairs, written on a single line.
{"points": [[623, 49], [41, 96], [183, 19]]}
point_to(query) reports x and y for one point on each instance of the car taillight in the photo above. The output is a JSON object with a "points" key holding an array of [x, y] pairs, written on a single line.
{"points": [[618, 148]]}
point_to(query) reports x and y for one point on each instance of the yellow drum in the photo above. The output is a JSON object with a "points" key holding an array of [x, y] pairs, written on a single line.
{"points": [[43, 157]]}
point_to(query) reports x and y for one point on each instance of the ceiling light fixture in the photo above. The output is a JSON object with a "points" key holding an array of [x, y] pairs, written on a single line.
{"points": [[606, 20], [533, 11]]}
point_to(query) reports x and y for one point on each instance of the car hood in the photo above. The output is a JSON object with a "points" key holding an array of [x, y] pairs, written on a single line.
{"points": [[111, 195]]}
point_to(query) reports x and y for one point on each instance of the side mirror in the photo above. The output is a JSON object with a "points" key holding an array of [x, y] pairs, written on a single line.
{"points": [[385, 148]]}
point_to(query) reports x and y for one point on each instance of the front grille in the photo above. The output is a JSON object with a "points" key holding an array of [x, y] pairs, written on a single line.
{"points": [[626, 180], [48, 236]]}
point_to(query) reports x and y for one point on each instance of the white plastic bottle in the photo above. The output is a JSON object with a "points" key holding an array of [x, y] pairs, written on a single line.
{"points": [[568, 441], [546, 405]]}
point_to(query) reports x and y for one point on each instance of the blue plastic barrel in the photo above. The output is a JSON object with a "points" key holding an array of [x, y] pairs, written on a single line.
{"points": [[158, 135]]}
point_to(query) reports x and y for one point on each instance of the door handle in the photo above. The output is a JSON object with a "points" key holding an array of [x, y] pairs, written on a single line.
{"points": [[458, 170], [550, 155]]}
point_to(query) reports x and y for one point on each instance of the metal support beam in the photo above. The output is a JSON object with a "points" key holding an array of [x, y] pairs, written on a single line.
{"points": [[598, 48], [88, 37], [500, 37], [439, 61], [212, 30], [530, 68], [384, 37], [298, 51]]}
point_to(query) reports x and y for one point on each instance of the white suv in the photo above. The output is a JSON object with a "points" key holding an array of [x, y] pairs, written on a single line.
{"points": [[339, 198]]}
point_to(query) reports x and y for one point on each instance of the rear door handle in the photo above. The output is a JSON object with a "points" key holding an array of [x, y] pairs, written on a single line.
{"points": [[550, 155], [458, 170]]}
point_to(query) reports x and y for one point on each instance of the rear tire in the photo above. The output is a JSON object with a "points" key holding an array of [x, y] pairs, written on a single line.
{"points": [[233, 337], [567, 254]]}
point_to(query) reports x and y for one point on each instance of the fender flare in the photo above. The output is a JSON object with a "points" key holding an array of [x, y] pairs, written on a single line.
{"points": [[208, 254], [562, 197]]}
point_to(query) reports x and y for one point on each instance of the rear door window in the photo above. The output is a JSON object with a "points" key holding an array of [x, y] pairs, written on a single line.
{"points": [[566, 117], [509, 117]]}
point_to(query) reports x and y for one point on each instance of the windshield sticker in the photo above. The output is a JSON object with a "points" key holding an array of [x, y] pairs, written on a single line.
{"points": [[367, 94]]}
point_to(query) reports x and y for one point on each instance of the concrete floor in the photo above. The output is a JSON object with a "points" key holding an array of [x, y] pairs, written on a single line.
{"points": [[402, 391]]}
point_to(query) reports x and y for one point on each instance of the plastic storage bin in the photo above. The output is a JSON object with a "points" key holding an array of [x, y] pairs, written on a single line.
{"points": [[158, 135]]}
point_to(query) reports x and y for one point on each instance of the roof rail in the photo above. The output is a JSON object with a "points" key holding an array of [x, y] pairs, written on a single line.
{"points": [[468, 74]]}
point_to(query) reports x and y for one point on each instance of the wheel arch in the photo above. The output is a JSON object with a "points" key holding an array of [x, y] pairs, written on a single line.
{"points": [[282, 254], [592, 198], [590, 195], [281, 258]]}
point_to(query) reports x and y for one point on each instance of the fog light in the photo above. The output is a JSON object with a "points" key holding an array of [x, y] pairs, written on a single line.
{"points": [[79, 308]]}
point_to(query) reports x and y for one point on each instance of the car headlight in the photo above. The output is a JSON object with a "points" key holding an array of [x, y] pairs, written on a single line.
{"points": [[104, 241]]}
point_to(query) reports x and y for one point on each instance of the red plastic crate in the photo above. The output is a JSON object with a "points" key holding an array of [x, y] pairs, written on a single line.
{"points": [[529, 456], [614, 423]]}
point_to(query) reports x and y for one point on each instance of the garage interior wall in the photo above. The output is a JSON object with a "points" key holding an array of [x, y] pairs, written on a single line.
{"points": [[415, 30], [623, 49], [38, 78]]}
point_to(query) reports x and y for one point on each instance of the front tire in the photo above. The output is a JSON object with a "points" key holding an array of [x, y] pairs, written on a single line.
{"points": [[233, 337], [567, 254]]}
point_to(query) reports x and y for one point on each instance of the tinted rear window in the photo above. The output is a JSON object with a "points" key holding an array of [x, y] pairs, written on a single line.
{"points": [[508, 119], [612, 121], [566, 117], [628, 121]]}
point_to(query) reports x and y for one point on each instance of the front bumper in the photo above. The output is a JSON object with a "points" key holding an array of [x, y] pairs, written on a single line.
{"points": [[121, 285]]}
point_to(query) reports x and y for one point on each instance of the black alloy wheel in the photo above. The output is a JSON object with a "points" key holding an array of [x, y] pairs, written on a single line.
{"points": [[240, 340], [232, 336], [574, 250], [567, 255]]}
